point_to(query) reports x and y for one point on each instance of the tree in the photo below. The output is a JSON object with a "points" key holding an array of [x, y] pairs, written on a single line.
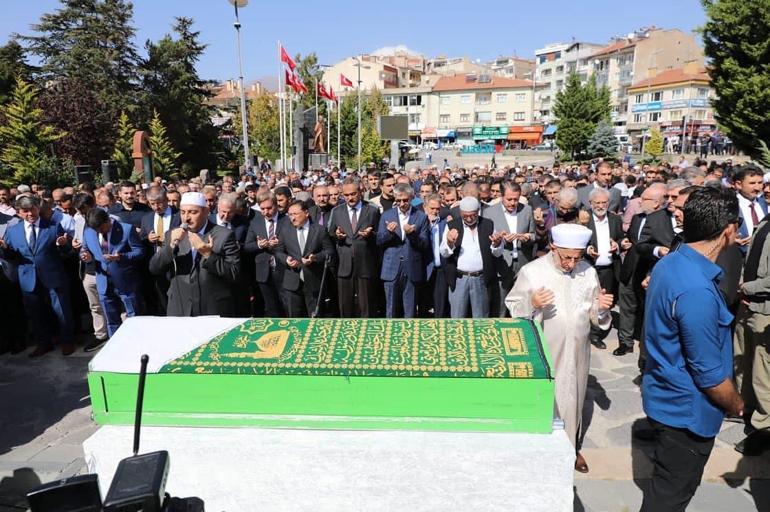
{"points": [[310, 73], [654, 146], [12, 66], [735, 39], [603, 142], [174, 89], [26, 140], [579, 108], [123, 151], [164, 157]]}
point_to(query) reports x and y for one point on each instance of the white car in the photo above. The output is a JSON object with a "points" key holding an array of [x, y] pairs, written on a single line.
{"points": [[545, 146]]}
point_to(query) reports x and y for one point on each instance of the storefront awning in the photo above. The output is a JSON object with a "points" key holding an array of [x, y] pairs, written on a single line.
{"points": [[428, 133], [550, 130], [449, 134], [525, 136]]}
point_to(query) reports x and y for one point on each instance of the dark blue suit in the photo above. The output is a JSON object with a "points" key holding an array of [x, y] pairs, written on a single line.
{"points": [[743, 230], [117, 282], [403, 261], [434, 293], [42, 278]]}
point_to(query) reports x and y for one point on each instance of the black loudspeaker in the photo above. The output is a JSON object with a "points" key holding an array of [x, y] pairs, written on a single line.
{"points": [[83, 174], [109, 171], [76, 494], [139, 483]]}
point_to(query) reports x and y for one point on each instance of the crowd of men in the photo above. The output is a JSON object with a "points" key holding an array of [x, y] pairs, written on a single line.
{"points": [[425, 243]]}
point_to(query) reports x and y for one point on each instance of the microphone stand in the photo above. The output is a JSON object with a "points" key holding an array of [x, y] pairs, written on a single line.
{"points": [[321, 290]]}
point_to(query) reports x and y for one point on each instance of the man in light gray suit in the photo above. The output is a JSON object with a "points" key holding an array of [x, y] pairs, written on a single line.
{"points": [[515, 222], [603, 179]]}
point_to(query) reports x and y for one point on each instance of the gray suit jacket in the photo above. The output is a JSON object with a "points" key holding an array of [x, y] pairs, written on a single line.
{"points": [[615, 198], [203, 287], [525, 224]]}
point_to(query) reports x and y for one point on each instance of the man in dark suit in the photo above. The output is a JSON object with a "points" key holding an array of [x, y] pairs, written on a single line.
{"points": [[13, 333], [602, 180], [604, 250], [202, 261], [118, 252], [748, 182], [261, 242], [129, 210], [321, 211], [515, 222], [155, 225], [404, 238], [37, 247], [434, 292], [469, 248], [634, 269], [353, 226], [305, 250], [227, 216]]}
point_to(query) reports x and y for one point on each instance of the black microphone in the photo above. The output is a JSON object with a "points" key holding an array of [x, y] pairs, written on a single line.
{"points": [[175, 244]]}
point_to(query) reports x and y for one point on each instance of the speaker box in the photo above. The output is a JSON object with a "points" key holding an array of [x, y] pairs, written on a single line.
{"points": [[83, 174], [76, 494], [139, 483], [109, 171]]}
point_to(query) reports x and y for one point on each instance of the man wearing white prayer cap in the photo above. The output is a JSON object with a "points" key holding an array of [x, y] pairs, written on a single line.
{"points": [[561, 291], [201, 261]]}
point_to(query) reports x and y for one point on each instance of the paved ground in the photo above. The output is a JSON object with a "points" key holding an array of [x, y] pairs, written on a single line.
{"points": [[45, 416]]}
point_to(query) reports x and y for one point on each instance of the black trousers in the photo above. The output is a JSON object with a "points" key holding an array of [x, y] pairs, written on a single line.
{"points": [[433, 294], [274, 305], [679, 459], [356, 297], [608, 282], [631, 304]]}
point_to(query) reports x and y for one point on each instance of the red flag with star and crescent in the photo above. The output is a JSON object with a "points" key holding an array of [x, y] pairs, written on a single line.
{"points": [[344, 81], [285, 58], [333, 96]]}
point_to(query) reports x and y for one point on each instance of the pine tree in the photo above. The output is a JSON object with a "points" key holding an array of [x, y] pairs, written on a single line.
{"points": [[164, 157], [26, 140], [735, 39], [603, 142], [12, 66], [579, 108], [654, 146], [123, 151]]}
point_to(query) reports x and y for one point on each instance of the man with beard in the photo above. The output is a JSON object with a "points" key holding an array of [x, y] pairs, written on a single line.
{"points": [[384, 201], [129, 210]]}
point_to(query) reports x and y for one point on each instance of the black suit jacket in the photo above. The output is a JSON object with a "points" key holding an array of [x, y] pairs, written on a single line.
{"points": [[357, 257], [616, 234], [631, 266], [133, 216], [315, 211], [203, 287], [261, 257], [239, 226], [317, 242], [485, 227], [148, 225], [658, 232]]}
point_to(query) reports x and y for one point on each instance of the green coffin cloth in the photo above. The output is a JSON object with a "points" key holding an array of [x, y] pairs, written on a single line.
{"points": [[494, 348]]}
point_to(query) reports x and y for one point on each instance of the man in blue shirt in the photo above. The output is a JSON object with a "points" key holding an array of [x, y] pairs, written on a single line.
{"points": [[687, 385]]}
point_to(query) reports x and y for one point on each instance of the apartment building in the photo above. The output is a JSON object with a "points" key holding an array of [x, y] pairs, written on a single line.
{"points": [[512, 67]]}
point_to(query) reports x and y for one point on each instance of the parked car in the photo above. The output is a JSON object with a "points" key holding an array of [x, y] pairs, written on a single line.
{"points": [[545, 146]]}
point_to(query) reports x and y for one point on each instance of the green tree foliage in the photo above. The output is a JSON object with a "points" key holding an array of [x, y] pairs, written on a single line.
{"points": [[90, 42], [736, 40], [27, 142], [174, 89], [164, 157], [603, 142], [310, 72], [373, 149], [264, 130], [12, 66], [123, 151], [654, 146], [579, 108]]}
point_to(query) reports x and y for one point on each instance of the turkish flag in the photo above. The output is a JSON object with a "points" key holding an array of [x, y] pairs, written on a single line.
{"points": [[288, 60], [332, 96], [291, 81], [344, 82], [322, 91]]}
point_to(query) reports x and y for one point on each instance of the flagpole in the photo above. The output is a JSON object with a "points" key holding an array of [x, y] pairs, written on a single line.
{"points": [[291, 131], [339, 108], [316, 100], [328, 126], [280, 106]]}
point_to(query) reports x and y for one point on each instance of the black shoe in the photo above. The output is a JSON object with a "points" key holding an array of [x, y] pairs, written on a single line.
{"points": [[598, 344], [644, 434], [94, 345], [755, 443], [41, 350], [623, 350]]}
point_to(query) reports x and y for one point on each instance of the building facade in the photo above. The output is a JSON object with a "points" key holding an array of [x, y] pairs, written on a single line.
{"points": [[677, 101], [513, 67]]}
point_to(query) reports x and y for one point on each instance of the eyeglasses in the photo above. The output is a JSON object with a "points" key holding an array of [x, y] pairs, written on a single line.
{"points": [[573, 259], [406, 200]]}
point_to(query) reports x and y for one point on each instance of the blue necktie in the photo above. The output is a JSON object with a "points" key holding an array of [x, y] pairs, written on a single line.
{"points": [[32, 239]]}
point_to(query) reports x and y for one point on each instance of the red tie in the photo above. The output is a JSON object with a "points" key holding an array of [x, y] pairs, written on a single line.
{"points": [[754, 217]]}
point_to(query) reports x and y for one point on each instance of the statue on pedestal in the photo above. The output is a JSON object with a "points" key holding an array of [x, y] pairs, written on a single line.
{"points": [[319, 140]]}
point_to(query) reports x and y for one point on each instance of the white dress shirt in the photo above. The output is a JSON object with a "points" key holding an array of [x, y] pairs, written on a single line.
{"points": [[357, 209], [603, 242], [469, 259], [435, 238], [166, 220], [193, 252], [28, 230], [403, 220], [745, 206], [513, 226]]}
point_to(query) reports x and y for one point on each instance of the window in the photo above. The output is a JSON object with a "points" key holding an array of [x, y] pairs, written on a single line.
{"points": [[657, 96], [520, 96], [501, 97], [414, 118], [445, 100], [639, 118], [465, 118], [415, 100], [559, 69], [700, 114], [677, 94], [389, 101], [444, 118], [559, 84], [501, 116], [639, 98], [465, 99], [483, 98], [655, 117], [518, 116], [546, 72], [675, 115], [483, 117], [703, 92]]}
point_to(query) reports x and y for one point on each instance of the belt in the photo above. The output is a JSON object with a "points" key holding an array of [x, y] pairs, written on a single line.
{"points": [[602, 267], [470, 274]]}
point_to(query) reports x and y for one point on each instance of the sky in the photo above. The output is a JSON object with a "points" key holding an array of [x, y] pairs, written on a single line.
{"points": [[335, 29]]}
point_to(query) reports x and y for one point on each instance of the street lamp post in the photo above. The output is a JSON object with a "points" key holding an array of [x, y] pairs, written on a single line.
{"points": [[358, 162], [236, 4]]}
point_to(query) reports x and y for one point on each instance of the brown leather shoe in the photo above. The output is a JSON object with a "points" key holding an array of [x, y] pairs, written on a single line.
{"points": [[41, 350], [580, 464], [67, 349]]}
